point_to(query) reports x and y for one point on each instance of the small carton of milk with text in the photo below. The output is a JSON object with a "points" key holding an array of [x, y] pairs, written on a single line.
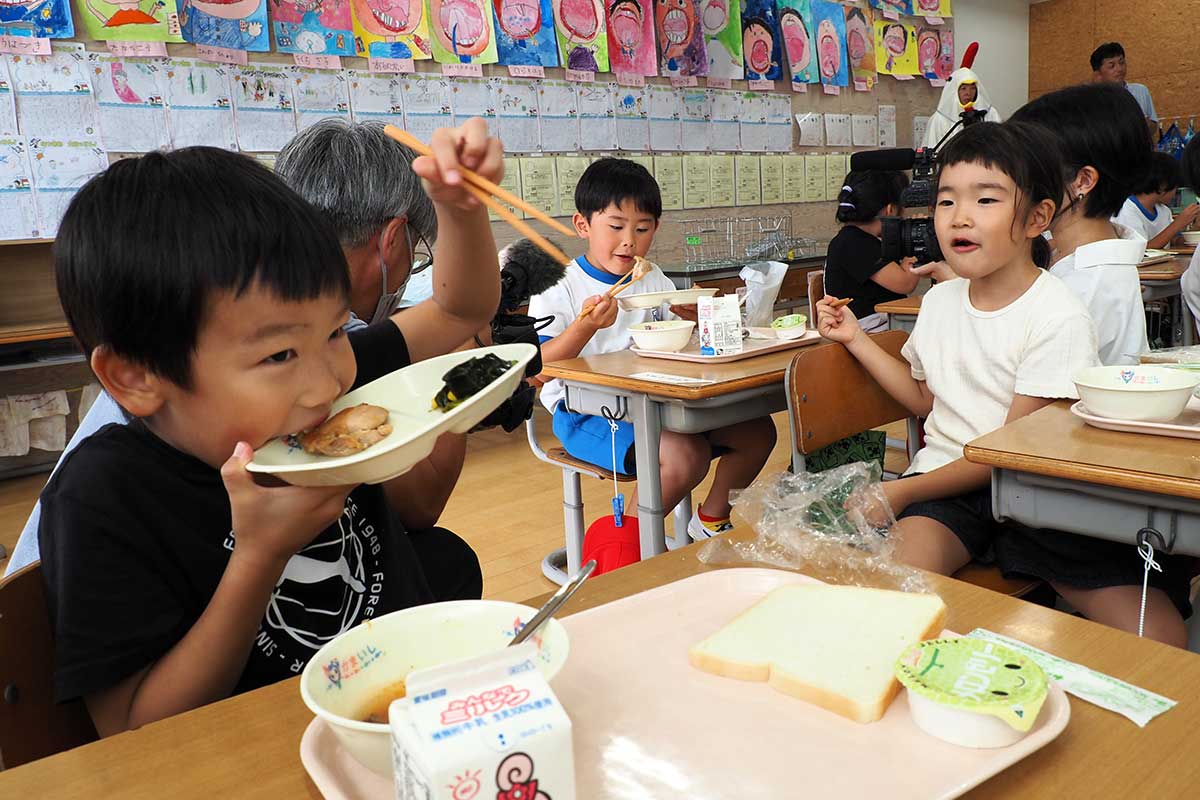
{"points": [[488, 727], [720, 325]]}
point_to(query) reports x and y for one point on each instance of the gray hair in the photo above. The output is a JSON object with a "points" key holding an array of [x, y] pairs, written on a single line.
{"points": [[359, 177]]}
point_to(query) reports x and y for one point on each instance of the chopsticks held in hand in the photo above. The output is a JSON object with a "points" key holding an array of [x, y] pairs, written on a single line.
{"points": [[491, 196], [845, 301], [640, 268]]}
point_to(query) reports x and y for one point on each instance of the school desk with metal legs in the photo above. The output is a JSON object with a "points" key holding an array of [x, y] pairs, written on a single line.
{"points": [[902, 313]]}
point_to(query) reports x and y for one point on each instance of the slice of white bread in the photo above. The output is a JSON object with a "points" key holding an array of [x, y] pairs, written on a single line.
{"points": [[834, 646]]}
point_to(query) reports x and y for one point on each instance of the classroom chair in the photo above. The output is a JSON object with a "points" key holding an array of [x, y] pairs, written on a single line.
{"points": [[32, 725], [846, 400], [816, 290], [565, 561]]}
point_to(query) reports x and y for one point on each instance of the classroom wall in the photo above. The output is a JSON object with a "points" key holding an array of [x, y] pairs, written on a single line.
{"points": [[1161, 40], [1002, 29]]}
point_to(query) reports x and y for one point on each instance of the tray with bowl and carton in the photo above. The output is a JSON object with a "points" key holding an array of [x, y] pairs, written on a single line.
{"points": [[414, 419], [1155, 399], [674, 340]]}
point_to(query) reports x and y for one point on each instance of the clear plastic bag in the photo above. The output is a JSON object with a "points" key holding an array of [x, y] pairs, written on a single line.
{"points": [[763, 279], [836, 524], [1189, 355]]}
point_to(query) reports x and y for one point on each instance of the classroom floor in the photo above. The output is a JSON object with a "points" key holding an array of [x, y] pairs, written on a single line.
{"points": [[507, 505]]}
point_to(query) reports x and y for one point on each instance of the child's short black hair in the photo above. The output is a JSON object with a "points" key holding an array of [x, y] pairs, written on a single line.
{"points": [[146, 244], [1104, 52], [612, 181], [865, 193], [1164, 175], [1098, 125], [1191, 164], [1026, 153]]}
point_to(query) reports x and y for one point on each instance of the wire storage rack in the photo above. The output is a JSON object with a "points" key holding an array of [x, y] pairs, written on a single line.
{"points": [[732, 241]]}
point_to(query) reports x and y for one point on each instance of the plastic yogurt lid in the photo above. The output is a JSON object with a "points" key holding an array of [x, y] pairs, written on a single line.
{"points": [[789, 321], [975, 675]]}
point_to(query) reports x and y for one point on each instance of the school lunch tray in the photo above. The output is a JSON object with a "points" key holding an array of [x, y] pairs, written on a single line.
{"points": [[649, 725], [1185, 426], [750, 349]]}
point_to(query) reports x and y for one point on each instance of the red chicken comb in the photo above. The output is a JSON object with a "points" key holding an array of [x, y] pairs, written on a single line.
{"points": [[968, 59]]}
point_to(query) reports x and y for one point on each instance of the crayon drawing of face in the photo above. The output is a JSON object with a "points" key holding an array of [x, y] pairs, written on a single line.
{"points": [[714, 16], [389, 18], [857, 37], [625, 24], [461, 25], [579, 19], [795, 39], [829, 49], [225, 9], [757, 44], [677, 20], [895, 39], [520, 19], [929, 6], [945, 63], [928, 49]]}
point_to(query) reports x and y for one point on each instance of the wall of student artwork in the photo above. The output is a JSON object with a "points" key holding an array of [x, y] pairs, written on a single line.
{"points": [[681, 38], [631, 44], [240, 25], [525, 32], [722, 23], [48, 18], [582, 38], [829, 22], [312, 26], [391, 29], [131, 20], [760, 41]]}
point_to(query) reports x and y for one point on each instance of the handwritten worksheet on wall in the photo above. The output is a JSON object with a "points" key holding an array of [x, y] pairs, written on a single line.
{"points": [[131, 100], [60, 169], [597, 118], [20, 219], [8, 102], [320, 94], [264, 109], [375, 97], [200, 104], [558, 105], [54, 96]]}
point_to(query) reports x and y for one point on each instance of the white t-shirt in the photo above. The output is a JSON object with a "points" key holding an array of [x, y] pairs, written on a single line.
{"points": [[975, 361], [1189, 283], [1104, 276], [1135, 217], [1144, 100], [565, 300]]}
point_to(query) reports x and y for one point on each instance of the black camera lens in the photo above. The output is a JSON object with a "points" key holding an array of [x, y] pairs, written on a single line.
{"points": [[916, 238]]}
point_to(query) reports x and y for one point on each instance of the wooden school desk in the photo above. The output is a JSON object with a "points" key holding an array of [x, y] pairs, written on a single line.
{"points": [[1052, 470], [1161, 282], [739, 391], [902, 313], [248, 746]]}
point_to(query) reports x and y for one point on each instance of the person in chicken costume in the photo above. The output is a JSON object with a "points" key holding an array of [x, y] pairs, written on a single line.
{"points": [[963, 98]]}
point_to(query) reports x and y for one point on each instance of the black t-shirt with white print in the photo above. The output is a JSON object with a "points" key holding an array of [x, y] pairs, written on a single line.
{"points": [[135, 537]]}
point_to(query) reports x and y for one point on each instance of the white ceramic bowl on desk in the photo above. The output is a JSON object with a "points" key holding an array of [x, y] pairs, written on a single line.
{"points": [[1190, 237], [1136, 393], [670, 336]]}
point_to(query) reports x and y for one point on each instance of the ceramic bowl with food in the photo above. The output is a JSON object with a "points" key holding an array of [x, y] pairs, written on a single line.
{"points": [[1190, 237], [360, 672], [1141, 393], [675, 297], [664, 337], [417, 414]]}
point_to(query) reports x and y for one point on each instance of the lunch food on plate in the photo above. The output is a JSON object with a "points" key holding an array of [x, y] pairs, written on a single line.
{"points": [[469, 378], [347, 432], [972, 692], [789, 321], [834, 646]]}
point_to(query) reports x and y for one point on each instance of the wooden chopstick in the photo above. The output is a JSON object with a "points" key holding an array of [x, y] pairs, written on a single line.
{"points": [[406, 138], [624, 283], [845, 301], [502, 211]]}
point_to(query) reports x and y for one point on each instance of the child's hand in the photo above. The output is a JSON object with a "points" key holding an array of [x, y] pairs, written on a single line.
{"points": [[686, 312], [466, 147], [1189, 214], [603, 313], [897, 496], [271, 524], [938, 270], [836, 324]]}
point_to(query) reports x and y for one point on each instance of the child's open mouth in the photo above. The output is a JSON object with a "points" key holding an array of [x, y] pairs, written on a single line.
{"points": [[623, 259], [964, 246]]}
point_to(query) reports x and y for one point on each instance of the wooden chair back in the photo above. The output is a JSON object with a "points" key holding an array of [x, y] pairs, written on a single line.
{"points": [[816, 290], [32, 725]]}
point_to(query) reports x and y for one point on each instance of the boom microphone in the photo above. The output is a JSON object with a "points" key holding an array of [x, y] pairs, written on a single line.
{"points": [[896, 158], [526, 271]]}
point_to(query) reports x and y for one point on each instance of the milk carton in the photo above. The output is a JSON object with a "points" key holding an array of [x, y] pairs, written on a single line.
{"points": [[720, 325], [489, 727]]}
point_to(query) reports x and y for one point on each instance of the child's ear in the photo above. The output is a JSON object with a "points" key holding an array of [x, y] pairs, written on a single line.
{"points": [[582, 227], [1084, 182], [1039, 219], [135, 388]]}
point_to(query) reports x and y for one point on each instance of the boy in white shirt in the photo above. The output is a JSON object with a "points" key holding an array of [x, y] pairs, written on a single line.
{"points": [[618, 207], [988, 350], [1107, 153], [1190, 282], [1146, 213]]}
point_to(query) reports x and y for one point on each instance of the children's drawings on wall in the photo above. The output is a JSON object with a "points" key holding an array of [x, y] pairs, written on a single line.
{"points": [[54, 95], [60, 169], [38, 18], [463, 31], [796, 30], [760, 41], [582, 43], [895, 48], [237, 25], [264, 108], [199, 98], [831, 43], [8, 102], [722, 23], [931, 8], [20, 220], [320, 94], [130, 20], [391, 29], [935, 52], [316, 27], [860, 46], [894, 6], [131, 100], [525, 32], [631, 45], [681, 38]]}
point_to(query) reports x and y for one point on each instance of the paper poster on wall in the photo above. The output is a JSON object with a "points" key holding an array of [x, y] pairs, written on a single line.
{"points": [[837, 130], [391, 29], [8, 102], [511, 182], [539, 184], [779, 122], [814, 178], [796, 30], [54, 93], [666, 129], [919, 126], [463, 32], [312, 26], [427, 99], [237, 25], [812, 129], [725, 131], [570, 169], [375, 97], [681, 38], [518, 118], [558, 106], [20, 220], [865, 130], [894, 6], [130, 98], [722, 24], [887, 126], [831, 43], [931, 8], [130, 20], [760, 41], [320, 94], [631, 45], [582, 42], [668, 174], [474, 97], [37, 18], [597, 117], [695, 114], [747, 181], [837, 165], [793, 179], [633, 124], [264, 109], [60, 169], [722, 192], [895, 48], [772, 179], [525, 33], [697, 181], [860, 46], [200, 104], [753, 122], [943, 68]]}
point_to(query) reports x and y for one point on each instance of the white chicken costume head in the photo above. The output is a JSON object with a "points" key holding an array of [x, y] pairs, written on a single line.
{"points": [[950, 108]]}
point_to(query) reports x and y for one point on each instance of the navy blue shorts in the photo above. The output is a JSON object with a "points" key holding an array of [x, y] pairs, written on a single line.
{"points": [[589, 438]]}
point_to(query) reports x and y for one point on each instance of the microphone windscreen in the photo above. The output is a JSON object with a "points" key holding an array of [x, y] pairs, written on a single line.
{"points": [[896, 158]]}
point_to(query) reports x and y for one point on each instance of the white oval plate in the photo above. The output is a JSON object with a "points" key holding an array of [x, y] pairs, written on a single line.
{"points": [[676, 297]]}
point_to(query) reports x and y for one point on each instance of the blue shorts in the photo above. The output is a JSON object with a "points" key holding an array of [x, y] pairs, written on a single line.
{"points": [[589, 438]]}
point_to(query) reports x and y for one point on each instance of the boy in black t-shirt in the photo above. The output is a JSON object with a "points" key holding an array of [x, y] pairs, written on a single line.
{"points": [[210, 299]]}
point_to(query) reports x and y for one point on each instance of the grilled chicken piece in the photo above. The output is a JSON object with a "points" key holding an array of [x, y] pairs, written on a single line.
{"points": [[347, 432]]}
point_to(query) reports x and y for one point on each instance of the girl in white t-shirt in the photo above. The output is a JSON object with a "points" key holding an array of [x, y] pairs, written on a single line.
{"points": [[1190, 282], [1146, 212], [987, 350]]}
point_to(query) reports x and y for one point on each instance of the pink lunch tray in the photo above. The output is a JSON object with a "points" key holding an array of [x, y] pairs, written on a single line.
{"points": [[1185, 426], [648, 726], [750, 349]]}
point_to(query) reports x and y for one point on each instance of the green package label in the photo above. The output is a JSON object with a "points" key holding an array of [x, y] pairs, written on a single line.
{"points": [[695, 240]]}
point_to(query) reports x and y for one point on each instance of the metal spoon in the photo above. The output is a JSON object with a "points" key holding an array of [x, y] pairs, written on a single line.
{"points": [[552, 605]]}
